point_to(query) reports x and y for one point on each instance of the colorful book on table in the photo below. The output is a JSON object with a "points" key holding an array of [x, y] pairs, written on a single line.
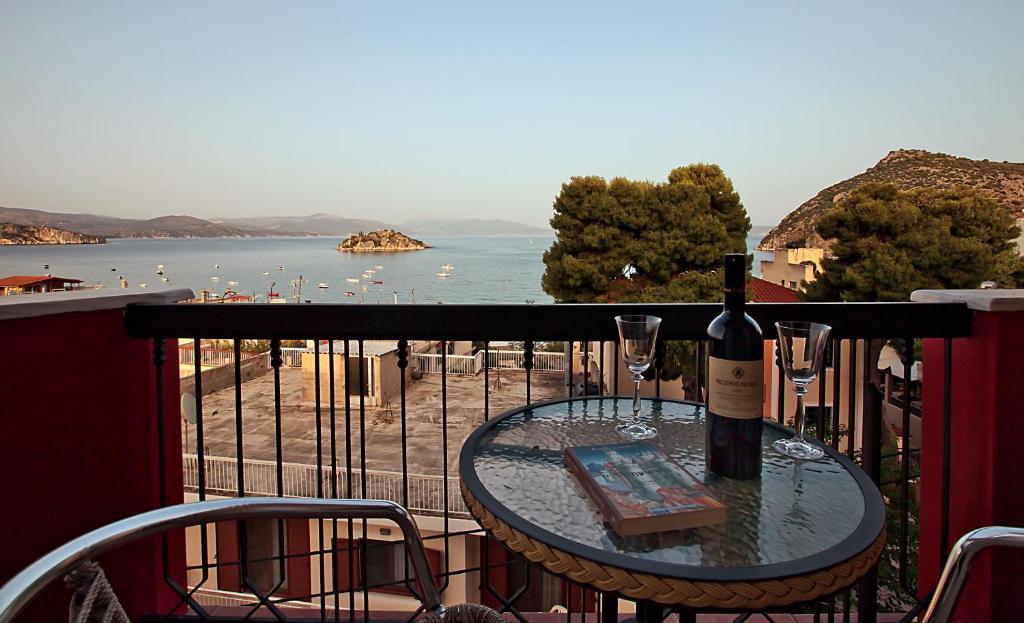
{"points": [[640, 490]]}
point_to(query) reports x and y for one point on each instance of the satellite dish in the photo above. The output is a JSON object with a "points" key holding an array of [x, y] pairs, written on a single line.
{"points": [[188, 407]]}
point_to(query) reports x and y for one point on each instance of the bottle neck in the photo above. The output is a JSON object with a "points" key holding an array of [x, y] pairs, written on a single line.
{"points": [[735, 301]]}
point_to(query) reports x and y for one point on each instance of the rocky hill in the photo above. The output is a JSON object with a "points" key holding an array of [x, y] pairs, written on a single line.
{"points": [[40, 234], [11, 234], [382, 240], [905, 168]]}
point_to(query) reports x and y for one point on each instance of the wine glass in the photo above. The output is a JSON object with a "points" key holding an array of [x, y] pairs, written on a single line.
{"points": [[637, 335], [802, 345]]}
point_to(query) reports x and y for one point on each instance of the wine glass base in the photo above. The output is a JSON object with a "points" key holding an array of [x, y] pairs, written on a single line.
{"points": [[637, 431], [798, 449]]}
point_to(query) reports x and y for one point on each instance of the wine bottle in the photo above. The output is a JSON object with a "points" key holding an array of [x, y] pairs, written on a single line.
{"points": [[735, 382]]}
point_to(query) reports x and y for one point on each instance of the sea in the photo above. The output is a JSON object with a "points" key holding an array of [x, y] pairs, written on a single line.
{"points": [[484, 269]]}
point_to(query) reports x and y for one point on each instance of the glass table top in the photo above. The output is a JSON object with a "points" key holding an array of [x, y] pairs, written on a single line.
{"points": [[796, 518]]}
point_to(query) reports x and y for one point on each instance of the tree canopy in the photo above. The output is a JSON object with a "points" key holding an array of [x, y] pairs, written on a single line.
{"points": [[890, 242], [673, 235]]}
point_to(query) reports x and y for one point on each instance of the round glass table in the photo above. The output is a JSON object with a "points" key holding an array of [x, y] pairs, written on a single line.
{"points": [[800, 531]]}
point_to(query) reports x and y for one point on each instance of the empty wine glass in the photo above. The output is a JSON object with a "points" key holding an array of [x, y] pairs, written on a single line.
{"points": [[637, 335], [802, 345]]}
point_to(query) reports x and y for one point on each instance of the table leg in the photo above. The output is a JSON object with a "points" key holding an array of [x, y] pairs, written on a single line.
{"points": [[650, 612], [609, 608], [687, 615]]}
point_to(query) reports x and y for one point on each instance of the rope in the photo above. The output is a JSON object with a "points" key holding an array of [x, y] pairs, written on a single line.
{"points": [[94, 599], [674, 591]]}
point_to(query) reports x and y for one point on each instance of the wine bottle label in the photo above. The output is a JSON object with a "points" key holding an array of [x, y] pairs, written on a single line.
{"points": [[736, 388]]}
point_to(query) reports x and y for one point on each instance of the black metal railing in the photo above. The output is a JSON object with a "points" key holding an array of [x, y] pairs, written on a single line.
{"points": [[434, 416]]}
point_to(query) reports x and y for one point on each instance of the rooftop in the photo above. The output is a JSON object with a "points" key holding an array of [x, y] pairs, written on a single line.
{"points": [[768, 292], [15, 281]]}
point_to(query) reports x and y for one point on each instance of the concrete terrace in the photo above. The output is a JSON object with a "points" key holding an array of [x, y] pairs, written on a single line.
{"points": [[383, 441]]}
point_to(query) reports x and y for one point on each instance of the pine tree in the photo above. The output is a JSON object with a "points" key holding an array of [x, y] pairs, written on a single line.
{"points": [[890, 242]]}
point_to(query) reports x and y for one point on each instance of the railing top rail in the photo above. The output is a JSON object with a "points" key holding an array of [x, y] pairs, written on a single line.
{"points": [[536, 322]]}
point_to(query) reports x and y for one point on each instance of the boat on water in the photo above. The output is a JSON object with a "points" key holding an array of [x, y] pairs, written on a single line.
{"points": [[447, 268], [322, 285], [280, 268], [265, 273], [376, 281], [232, 283], [351, 280], [214, 278], [159, 271], [444, 275], [379, 267], [349, 293]]}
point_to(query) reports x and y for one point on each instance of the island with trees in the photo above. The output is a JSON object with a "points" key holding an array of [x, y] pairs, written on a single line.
{"points": [[380, 240]]}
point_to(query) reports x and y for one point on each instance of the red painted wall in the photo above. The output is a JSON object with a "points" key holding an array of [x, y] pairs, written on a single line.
{"points": [[78, 449], [986, 483]]}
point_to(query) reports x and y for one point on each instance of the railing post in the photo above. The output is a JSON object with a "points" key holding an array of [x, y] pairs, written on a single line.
{"points": [[871, 463], [84, 454], [971, 435]]}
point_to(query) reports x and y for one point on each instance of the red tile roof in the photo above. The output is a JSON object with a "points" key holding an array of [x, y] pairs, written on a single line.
{"points": [[16, 281], [768, 292]]}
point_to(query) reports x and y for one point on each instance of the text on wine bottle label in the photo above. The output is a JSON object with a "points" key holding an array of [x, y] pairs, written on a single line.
{"points": [[736, 388]]}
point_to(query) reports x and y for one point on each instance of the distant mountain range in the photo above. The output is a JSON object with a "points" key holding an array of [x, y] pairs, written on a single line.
{"points": [[183, 226], [470, 227], [112, 227], [315, 224], [906, 168]]}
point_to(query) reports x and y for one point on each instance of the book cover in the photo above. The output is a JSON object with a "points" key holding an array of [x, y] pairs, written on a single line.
{"points": [[640, 490]]}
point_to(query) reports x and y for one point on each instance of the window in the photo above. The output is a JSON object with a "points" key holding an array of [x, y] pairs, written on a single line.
{"points": [[377, 565], [793, 284]]}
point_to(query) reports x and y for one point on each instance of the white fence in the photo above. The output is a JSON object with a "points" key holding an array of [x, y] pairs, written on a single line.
{"points": [[456, 364], [292, 356], [211, 357], [473, 364], [542, 361], [426, 492]]}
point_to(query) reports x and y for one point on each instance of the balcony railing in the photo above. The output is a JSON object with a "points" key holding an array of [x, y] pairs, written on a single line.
{"points": [[416, 437]]}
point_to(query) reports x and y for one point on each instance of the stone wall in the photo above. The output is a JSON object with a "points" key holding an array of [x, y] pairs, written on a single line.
{"points": [[215, 379]]}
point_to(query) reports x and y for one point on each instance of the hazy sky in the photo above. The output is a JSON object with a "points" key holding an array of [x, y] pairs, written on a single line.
{"points": [[389, 110]]}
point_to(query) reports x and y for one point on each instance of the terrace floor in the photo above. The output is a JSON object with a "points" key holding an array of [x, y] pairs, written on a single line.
{"points": [[299, 420]]}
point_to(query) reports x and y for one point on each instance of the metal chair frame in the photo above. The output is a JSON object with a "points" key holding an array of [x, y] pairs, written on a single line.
{"points": [[23, 587], [958, 567]]}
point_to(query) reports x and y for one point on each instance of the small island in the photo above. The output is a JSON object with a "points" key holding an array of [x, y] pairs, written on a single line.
{"points": [[380, 240]]}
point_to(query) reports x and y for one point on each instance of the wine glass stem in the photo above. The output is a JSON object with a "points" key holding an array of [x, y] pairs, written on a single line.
{"points": [[798, 424], [636, 401]]}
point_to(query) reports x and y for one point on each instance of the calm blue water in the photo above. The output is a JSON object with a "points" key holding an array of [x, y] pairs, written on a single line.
{"points": [[486, 269]]}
